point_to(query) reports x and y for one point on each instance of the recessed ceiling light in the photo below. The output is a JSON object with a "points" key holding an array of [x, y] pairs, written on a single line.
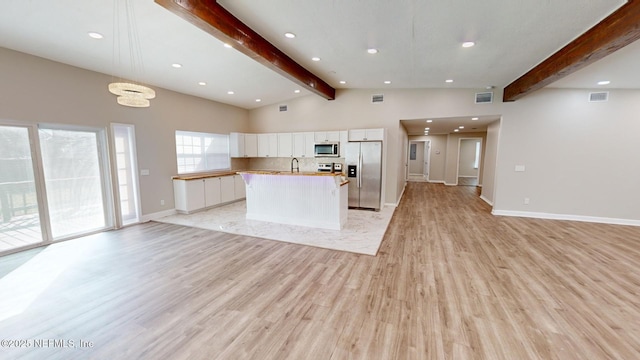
{"points": [[95, 35], [297, 91], [456, 130], [426, 128], [289, 35], [468, 44], [176, 65], [461, 127], [387, 82], [429, 121], [342, 82], [258, 100], [604, 82], [372, 51], [230, 92], [474, 118], [228, 46], [448, 81], [315, 58], [202, 83]]}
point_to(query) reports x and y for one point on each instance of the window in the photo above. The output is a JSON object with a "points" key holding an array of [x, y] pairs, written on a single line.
{"points": [[198, 152]]}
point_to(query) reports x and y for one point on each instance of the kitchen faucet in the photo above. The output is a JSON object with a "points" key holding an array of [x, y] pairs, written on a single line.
{"points": [[297, 165]]}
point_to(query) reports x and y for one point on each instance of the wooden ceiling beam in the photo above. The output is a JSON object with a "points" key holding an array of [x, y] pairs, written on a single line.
{"points": [[211, 17], [616, 31]]}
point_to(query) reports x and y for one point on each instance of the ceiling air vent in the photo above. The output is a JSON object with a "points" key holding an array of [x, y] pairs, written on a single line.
{"points": [[598, 96], [378, 98], [283, 107], [484, 98]]}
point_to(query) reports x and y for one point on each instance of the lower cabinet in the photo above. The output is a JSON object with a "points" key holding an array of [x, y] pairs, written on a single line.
{"points": [[197, 194]]}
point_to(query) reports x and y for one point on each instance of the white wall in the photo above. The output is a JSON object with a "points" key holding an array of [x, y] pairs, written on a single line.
{"points": [[490, 162], [35, 90], [580, 158]]}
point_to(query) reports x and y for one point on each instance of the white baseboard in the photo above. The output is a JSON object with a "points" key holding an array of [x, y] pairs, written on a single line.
{"points": [[463, 176], [592, 219], [436, 181], [486, 200], [449, 184], [157, 215]]}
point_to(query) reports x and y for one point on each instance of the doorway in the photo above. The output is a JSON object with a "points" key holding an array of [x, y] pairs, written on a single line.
{"points": [[418, 160], [469, 161]]}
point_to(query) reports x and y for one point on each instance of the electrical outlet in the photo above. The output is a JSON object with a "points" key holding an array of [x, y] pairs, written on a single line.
{"points": [[526, 201], [161, 202]]}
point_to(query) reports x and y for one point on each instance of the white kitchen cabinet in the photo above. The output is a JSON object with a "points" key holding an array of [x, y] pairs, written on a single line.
{"points": [[188, 195], [285, 145], [327, 136], [250, 145], [197, 194], [303, 144], [227, 188], [366, 134], [236, 145], [267, 145], [344, 139], [240, 188], [243, 145], [211, 192]]}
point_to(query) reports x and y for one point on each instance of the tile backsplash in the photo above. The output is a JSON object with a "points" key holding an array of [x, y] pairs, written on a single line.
{"points": [[284, 164]]}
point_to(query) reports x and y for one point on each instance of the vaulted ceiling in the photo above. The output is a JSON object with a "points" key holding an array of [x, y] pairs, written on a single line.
{"points": [[419, 44]]}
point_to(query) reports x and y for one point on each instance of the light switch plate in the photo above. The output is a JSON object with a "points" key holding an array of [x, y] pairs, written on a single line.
{"points": [[519, 168], [144, 172]]}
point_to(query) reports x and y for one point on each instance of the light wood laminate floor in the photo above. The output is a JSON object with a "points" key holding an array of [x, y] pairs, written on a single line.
{"points": [[451, 281]]}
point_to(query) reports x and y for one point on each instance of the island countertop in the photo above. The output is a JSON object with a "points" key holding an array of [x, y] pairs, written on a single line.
{"points": [[289, 173]]}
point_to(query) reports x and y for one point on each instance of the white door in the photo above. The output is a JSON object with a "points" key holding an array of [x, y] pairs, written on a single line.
{"points": [[427, 156]]}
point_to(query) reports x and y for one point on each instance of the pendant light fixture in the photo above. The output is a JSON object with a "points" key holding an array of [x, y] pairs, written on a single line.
{"points": [[129, 93]]}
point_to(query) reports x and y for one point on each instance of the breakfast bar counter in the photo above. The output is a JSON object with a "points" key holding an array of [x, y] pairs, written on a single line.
{"points": [[312, 199]]}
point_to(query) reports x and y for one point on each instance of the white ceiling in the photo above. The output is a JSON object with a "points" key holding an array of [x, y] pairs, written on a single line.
{"points": [[419, 43]]}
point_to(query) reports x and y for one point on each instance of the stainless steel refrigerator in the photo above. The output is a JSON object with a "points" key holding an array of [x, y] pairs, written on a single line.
{"points": [[364, 171]]}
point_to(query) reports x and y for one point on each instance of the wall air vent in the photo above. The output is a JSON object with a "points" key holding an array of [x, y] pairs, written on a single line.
{"points": [[378, 98], [484, 98], [283, 108], [598, 96]]}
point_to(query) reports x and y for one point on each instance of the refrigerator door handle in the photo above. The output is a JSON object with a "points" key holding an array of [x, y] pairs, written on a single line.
{"points": [[360, 169]]}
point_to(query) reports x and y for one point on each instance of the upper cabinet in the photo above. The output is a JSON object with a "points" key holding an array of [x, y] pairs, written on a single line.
{"points": [[303, 144], [243, 145], [327, 136], [267, 145], [285, 145], [366, 134]]}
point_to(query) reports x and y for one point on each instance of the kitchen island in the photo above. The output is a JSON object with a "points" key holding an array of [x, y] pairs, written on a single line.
{"points": [[297, 198]]}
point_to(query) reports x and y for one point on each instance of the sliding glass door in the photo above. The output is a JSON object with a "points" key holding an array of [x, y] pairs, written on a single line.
{"points": [[19, 213], [76, 181]]}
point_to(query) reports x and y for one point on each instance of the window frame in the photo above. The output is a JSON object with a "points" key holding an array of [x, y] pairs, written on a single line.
{"points": [[200, 152]]}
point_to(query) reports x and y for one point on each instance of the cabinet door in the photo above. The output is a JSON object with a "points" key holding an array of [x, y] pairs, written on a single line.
{"points": [[344, 139], [320, 136], [309, 145], [236, 145], [374, 134], [285, 145], [250, 145], [357, 134], [263, 145], [211, 192], [240, 188], [298, 145], [273, 145], [194, 191], [333, 136], [227, 188]]}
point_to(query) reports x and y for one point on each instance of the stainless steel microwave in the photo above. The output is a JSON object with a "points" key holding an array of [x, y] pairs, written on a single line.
{"points": [[328, 149]]}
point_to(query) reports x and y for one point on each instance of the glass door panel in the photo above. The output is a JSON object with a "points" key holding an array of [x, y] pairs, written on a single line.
{"points": [[125, 149], [19, 215], [73, 172]]}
